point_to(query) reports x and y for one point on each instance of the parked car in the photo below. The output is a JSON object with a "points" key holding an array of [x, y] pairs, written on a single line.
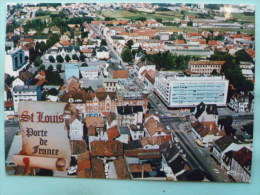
{"points": [[73, 170]]}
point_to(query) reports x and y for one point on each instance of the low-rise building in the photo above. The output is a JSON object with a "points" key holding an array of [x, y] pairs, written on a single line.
{"points": [[25, 93], [205, 67]]}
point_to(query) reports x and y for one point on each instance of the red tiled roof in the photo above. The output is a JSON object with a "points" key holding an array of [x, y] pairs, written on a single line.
{"points": [[120, 74], [96, 121], [138, 168], [84, 165], [251, 52], [113, 132], [106, 148], [243, 156], [98, 170], [9, 104], [158, 140], [121, 168], [207, 62], [144, 153], [153, 126], [193, 34], [218, 43]]}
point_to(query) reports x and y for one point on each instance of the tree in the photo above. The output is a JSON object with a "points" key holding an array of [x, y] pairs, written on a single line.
{"points": [[59, 59], [103, 42], [32, 54], [9, 79], [158, 20], [51, 59], [41, 67], [214, 72], [242, 55], [67, 58], [42, 47], [190, 23], [58, 67], [127, 55], [227, 123], [180, 37], [142, 19], [75, 57], [50, 68], [38, 62], [82, 57], [129, 43], [84, 64]]}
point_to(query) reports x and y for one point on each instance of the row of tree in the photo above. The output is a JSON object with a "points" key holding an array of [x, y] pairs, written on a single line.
{"points": [[232, 70]]}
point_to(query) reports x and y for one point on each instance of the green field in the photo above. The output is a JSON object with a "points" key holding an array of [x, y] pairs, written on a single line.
{"points": [[244, 17], [124, 14]]}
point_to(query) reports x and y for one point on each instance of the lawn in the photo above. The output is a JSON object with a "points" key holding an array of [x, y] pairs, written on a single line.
{"points": [[124, 14], [244, 17]]}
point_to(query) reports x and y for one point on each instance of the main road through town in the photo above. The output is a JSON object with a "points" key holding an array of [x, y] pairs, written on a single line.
{"points": [[197, 157]]}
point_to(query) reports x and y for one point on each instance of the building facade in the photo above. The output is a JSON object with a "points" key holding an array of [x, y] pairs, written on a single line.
{"points": [[178, 90], [205, 67]]}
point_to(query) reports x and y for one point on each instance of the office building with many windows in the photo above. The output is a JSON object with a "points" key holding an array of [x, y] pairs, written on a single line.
{"points": [[178, 90]]}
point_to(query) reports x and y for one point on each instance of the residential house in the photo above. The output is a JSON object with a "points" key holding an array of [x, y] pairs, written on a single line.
{"points": [[102, 53], [136, 132], [127, 115], [173, 163], [241, 163], [76, 130], [153, 127], [239, 102]]}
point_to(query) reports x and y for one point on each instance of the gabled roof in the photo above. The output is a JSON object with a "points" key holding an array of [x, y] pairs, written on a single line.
{"points": [[106, 148], [126, 110], [223, 142], [78, 146], [138, 168], [158, 140], [84, 165], [98, 170], [169, 150], [131, 145], [144, 153], [121, 168], [153, 126], [243, 157], [210, 109], [101, 96], [177, 164], [113, 132]]}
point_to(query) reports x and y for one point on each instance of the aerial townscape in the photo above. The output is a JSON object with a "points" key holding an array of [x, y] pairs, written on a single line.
{"points": [[162, 91]]}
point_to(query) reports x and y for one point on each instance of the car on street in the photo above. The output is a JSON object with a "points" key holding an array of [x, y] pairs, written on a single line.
{"points": [[176, 139], [168, 127]]}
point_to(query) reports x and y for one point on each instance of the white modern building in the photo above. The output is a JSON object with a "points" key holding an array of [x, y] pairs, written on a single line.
{"points": [[179, 90]]}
